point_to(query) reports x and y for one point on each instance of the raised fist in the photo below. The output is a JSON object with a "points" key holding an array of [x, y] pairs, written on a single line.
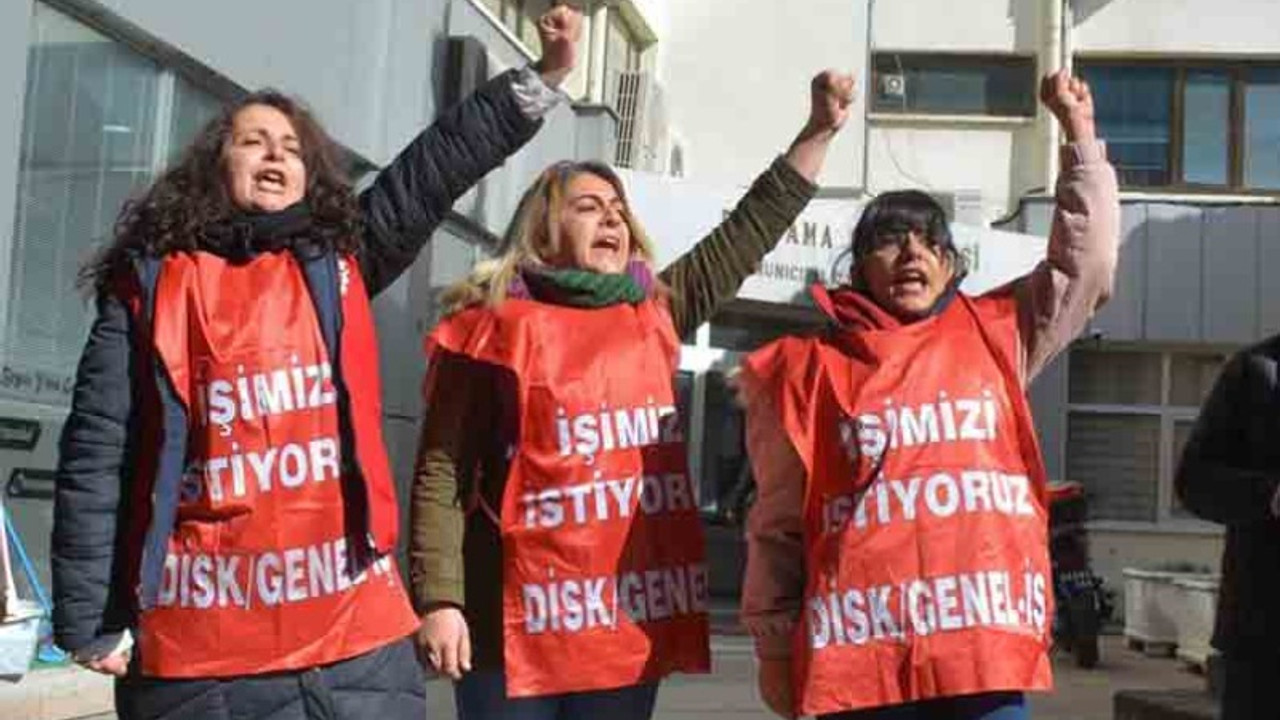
{"points": [[559, 30], [831, 94], [1070, 101]]}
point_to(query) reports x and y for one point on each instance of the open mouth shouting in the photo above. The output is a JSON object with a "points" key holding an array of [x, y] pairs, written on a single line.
{"points": [[910, 281], [271, 181]]}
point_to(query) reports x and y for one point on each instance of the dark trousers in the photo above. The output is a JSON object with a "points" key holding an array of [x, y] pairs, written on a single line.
{"points": [[1250, 686], [482, 695], [988, 706], [386, 684]]}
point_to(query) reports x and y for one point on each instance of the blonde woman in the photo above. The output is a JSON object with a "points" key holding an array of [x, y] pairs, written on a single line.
{"points": [[556, 554]]}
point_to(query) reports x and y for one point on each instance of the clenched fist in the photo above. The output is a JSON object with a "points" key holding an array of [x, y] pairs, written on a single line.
{"points": [[1070, 101], [831, 94], [559, 30]]}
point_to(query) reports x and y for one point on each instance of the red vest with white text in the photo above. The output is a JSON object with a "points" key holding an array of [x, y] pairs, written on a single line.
{"points": [[258, 576], [924, 512], [604, 574]]}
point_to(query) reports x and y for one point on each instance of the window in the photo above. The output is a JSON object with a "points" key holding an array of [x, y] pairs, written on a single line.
{"points": [[1129, 415], [96, 128], [954, 84], [621, 52], [1193, 125], [1262, 128]]}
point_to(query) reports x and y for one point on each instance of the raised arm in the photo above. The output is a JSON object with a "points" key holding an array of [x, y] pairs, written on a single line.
{"points": [[1057, 299], [413, 195], [711, 273]]}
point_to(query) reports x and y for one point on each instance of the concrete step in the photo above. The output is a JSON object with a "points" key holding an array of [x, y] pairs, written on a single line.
{"points": [[1165, 705]]}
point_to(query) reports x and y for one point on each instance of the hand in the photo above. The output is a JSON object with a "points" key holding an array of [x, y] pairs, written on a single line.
{"points": [[444, 643], [559, 30], [831, 94], [116, 663], [1070, 101], [773, 678]]}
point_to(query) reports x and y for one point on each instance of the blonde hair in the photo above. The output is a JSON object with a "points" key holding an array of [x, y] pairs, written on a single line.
{"points": [[533, 237]]}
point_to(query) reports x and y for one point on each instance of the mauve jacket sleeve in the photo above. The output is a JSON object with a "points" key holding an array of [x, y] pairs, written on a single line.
{"points": [[89, 482], [775, 575], [1057, 299], [413, 195]]}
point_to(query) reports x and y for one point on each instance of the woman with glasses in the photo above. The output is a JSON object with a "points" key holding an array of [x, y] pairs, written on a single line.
{"points": [[897, 551]]}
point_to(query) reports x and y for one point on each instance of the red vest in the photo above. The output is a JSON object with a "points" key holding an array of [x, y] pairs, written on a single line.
{"points": [[924, 513], [604, 574], [258, 572]]}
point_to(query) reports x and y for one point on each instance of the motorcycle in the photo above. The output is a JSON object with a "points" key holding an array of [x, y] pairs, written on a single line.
{"points": [[1083, 606]]}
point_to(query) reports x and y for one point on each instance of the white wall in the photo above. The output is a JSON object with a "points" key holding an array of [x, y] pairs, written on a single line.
{"points": [[1178, 27], [949, 26], [656, 14], [944, 157], [738, 81]]}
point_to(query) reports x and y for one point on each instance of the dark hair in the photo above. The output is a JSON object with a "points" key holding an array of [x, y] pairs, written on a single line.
{"points": [[175, 212], [899, 212]]}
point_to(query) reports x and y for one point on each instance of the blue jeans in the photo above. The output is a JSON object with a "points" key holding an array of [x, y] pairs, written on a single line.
{"points": [[482, 695], [988, 706]]}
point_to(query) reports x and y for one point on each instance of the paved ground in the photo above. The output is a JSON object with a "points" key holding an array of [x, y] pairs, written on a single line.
{"points": [[730, 692]]}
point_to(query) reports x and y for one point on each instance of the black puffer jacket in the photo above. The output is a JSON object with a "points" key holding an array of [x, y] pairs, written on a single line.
{"points": [[404, 205], [1229, 474]]}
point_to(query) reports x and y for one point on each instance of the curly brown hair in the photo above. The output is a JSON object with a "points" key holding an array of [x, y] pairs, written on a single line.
{"points": [[177, 210]]}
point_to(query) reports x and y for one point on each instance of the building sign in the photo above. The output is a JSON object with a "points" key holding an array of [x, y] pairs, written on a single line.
{"points": [[677, 214], [34, 384]]}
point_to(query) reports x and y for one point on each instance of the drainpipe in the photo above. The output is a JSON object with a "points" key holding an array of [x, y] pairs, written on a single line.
{"points": [[865, 92], [1053, 52], [598, 33]]}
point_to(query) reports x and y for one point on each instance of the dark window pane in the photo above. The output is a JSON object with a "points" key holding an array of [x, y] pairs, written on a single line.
{"points": [[1134, 114], [88, 140], [1207, 127], [1262, 129], [1116, 456], [954, 85], [1111, 377]]}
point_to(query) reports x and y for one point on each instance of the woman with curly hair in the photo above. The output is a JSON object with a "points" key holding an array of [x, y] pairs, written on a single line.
{"points": [[225, 516]]}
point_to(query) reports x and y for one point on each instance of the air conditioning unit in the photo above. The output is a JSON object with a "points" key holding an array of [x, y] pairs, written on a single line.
{"points": [[893, 86], [645, 141]]}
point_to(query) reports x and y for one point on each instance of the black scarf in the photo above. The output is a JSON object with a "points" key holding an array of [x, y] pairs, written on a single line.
{"points": [[246, 234]]}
